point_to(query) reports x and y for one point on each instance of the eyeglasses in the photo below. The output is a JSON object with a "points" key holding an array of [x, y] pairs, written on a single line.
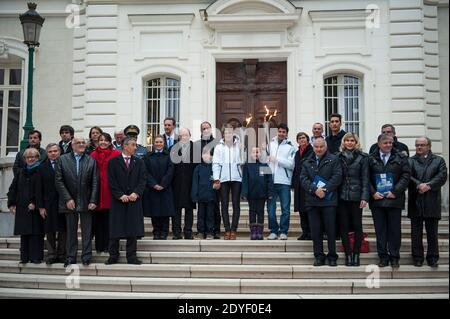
{"points": [[421, 145]]}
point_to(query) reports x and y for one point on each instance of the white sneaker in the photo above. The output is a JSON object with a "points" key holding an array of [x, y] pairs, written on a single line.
{"points": [[272, 236], [283, 237]]}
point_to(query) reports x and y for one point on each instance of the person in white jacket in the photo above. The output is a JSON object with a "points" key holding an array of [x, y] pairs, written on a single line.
{"points": [[281, 161], [227, 176]]}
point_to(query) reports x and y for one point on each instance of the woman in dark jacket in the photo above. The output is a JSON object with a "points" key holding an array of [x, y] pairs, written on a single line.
{"points": [[182, 155], [354, 194], [94, 135], [305, 150], [22, 202], [158, 195]]}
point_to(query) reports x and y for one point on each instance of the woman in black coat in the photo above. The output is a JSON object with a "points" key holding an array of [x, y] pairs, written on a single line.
{"points": [[182, 155], [305, 150], [47, 201], [158, 195], [22, 202], [354, 194]]}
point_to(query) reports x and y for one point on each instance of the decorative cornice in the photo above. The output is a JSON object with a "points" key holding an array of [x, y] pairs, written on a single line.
{"points": [[339, 15], [160, 19]]}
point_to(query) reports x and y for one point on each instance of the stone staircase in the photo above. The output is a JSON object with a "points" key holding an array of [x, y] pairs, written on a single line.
{"points": [[199, 269]]}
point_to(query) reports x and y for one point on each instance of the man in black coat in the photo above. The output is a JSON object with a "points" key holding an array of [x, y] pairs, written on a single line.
{"points": [[389, 178], [34, 141], [428, 175], [208, 141], [126, 180], [320, 177], [47, 201], [66, 132], [389, 129], [77, 183], [334, 139], [182, 155]]}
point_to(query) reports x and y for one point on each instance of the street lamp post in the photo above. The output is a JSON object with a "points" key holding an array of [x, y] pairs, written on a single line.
{"points": [[31, 24]]}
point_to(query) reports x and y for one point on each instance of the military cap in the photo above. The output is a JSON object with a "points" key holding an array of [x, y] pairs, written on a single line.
{"points": [[131, 130]]}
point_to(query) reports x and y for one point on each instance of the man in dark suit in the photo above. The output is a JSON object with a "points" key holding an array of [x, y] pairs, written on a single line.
{"points": [[77, 182], [66, 132], [320, 177], [428, 175], [47, 201], [169, 132], [34, 141], [126, 179], [389, 129]]}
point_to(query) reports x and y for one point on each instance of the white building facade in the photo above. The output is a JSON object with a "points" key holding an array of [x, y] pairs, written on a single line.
{"points": [[111, 63]]}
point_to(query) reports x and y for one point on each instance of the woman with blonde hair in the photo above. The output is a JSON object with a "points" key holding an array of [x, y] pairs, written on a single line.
{"points": [[354, 193]]}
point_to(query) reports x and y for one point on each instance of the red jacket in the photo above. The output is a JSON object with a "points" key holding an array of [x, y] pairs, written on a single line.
{"points": [[102, 156]]}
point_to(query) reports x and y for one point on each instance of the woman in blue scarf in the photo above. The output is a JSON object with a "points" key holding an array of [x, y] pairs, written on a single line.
{"points": [[22, 203]]}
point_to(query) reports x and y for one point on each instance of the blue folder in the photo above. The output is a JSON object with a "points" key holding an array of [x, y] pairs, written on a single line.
{"points": [[321, 182], [385, 183]]}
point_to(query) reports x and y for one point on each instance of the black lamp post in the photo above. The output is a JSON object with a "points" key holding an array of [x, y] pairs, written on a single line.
{"points": [[31, 23]]}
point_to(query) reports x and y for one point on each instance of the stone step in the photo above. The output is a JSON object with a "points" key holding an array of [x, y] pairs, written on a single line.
{"points": [[230, 245], [227, 271], [79, 294], [228, 258], [225, 286]]}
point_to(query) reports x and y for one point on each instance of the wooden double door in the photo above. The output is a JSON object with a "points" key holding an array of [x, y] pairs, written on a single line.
{"points": [[244, 88]]}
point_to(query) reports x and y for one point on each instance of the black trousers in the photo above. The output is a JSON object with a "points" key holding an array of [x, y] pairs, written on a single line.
{"points": [[350, 217], [217, 216], [387, 223], [114, 244], [56, 245], [304, 223], [31, 248], [100, 230], [72, 235], [431, 226], [235, 189], [256, 211], [188, 222], [327, 216], [160, 227], [205, 218]]}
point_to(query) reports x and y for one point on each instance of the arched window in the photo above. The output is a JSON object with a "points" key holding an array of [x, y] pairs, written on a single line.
{"points": [[11, 92], [162, 100], [343, 95]]}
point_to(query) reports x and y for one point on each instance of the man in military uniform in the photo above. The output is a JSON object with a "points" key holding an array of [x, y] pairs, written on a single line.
{"points": [[133, 131]]}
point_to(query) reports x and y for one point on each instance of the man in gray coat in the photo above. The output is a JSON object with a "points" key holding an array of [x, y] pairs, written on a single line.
{"points": [[77, 183], [428, 175]]}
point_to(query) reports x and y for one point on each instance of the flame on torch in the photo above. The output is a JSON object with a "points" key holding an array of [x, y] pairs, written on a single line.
{"points": [[268, 116], [248, 120]]}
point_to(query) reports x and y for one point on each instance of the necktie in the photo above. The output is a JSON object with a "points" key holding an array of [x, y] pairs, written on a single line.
{"points": [[127, 161], [317, 161], [169, 142], [53, 165], [77, 158], [384, 158]]}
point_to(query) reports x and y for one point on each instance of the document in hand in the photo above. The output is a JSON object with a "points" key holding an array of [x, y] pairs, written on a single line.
{"points": [[321, 182], [385, 183]]}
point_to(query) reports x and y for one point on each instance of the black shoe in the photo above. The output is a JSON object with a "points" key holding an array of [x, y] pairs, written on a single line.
{"points": [[303, 236], [86, 262], [356, 260], [418, 263], [433, 263], [395, 264], [188, 236], [134, 261], [36, 262], [51, 261], [69, 262], [112, 261], [319, 262], [383, 263], [216, 235], [332, 263], [176, 237], [325, 237], [348, 260]]}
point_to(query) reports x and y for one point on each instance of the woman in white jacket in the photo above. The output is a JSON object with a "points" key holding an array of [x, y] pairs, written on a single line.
{"points": [[227, 175]]}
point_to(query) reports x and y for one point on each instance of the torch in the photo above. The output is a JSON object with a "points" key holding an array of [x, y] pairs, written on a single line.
{"points": [[242, 138]]}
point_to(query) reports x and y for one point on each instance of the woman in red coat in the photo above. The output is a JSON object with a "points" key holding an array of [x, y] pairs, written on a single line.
{"points": [[100, 219]]}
